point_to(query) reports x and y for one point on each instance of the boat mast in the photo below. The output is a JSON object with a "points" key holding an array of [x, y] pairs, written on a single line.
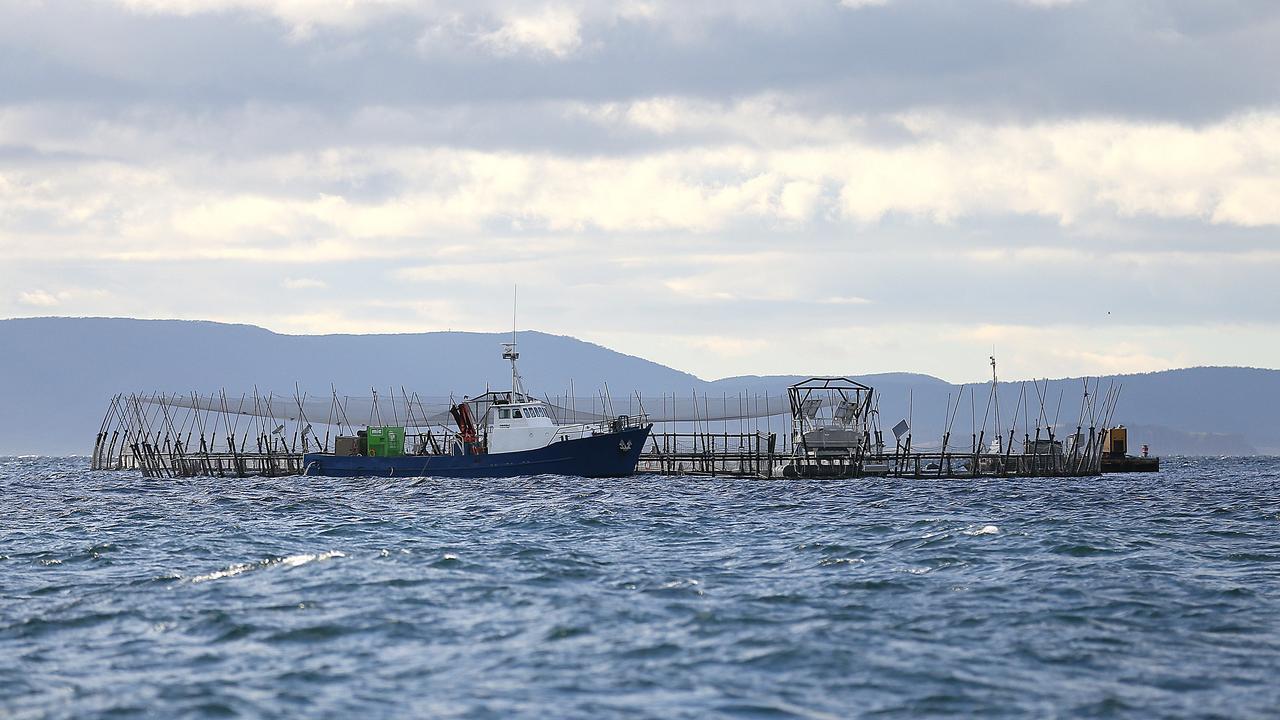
{"points": [[509, 352], [995, 395]]}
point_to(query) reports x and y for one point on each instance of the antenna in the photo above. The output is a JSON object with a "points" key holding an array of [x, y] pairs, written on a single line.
{"points": [[995, 392], [509, 351]]}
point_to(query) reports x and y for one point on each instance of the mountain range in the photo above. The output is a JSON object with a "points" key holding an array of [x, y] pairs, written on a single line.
{"points": [[57, 376]]}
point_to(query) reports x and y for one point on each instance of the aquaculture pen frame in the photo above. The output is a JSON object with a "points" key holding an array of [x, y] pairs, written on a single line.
{"points": [[165, 435]]}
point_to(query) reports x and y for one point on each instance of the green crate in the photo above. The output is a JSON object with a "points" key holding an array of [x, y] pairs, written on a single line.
{"points": [[385, 440]]}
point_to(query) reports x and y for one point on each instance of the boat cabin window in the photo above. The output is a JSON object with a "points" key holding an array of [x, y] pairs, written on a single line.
{"points": [[520, 413]]}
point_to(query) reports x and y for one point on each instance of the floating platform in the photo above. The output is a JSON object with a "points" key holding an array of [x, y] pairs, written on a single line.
{"points": [[1130, 464], [1115, 446]]}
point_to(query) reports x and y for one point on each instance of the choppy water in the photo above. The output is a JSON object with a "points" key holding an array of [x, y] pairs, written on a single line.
{"points": [[1122, 596]]}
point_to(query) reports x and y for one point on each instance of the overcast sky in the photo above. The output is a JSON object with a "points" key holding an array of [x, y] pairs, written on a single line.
{"points": [[800, 186]]}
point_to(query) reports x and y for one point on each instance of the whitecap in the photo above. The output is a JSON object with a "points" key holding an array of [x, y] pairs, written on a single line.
{"points": [[287, 561], [227, 572], [303, 559]]}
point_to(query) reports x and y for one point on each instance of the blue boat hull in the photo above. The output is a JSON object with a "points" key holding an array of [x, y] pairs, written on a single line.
{"points": [[609, 455]]}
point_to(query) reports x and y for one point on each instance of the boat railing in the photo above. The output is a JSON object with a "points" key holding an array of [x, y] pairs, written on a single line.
{"points": [[626, 422]]}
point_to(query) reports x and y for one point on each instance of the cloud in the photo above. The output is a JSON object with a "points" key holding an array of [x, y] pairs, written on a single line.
{"points": [[38, 298], [302, 17], [312, 207], [41, 298], [550, 30], [303, 284], [992, 58], [654, 172]]}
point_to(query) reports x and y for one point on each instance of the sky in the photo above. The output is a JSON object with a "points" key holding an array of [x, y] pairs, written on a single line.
{"points": [[726, 187]]}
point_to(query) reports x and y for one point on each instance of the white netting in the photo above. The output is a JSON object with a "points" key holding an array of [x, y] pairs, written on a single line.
{"points": [[413, 410]]}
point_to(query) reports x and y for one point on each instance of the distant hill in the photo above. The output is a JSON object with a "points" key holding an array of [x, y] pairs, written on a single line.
{"points": [[57, 375]]}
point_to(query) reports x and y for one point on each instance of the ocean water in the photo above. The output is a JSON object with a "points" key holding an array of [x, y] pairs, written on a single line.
{"points": [[1123, 596]]}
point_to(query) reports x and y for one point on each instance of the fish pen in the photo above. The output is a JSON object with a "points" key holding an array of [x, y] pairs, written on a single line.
{"points": [[255, 434], [823, 427], [711, 454], [836, 432]]}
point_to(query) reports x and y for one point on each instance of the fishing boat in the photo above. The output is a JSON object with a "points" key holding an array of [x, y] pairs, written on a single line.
{"points": [[517, 435]]}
